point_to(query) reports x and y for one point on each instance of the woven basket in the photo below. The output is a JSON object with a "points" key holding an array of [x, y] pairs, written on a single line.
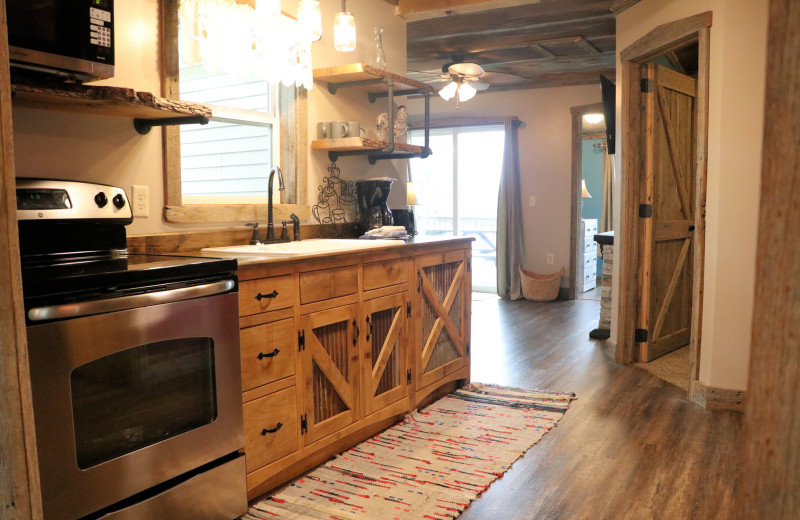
{"points": [[540, 287]]}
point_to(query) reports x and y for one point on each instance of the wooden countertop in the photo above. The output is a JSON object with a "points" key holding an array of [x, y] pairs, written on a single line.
{"points": [[401, 249]]}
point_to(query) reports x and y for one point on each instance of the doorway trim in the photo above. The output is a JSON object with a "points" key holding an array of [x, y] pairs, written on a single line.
{"points": [[664, 38], [577, 159]]}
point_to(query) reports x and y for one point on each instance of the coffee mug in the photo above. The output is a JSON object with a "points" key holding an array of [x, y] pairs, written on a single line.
{"points": [[339, 129], [354, 129], [324, 130]]}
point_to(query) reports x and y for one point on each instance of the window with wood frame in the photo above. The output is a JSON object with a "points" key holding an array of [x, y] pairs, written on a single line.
{"points": [[218, 172]]}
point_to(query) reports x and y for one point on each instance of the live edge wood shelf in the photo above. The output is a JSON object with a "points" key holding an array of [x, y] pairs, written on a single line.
{"points": [[146, 109], [345, 345], [377, 83]]}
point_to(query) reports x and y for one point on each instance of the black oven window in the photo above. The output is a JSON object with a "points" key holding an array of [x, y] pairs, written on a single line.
{"points": [[140, 396]]}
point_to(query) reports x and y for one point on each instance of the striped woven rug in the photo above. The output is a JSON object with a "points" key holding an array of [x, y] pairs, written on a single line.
{"points": [[430, 466]]}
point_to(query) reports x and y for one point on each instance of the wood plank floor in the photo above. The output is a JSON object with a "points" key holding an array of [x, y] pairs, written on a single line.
{"points": [[630, 446]]}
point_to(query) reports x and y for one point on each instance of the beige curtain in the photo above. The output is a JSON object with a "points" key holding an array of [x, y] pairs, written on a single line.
{"points": [[510, 246], [606, 216]]}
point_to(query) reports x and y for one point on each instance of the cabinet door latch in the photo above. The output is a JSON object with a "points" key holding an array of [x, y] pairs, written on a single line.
{"points": [[301, 340], [408, 309], [408, 376], [304, 423]]}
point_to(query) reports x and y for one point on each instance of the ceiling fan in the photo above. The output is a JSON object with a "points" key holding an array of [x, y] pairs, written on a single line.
{"points": [[463, 80]]}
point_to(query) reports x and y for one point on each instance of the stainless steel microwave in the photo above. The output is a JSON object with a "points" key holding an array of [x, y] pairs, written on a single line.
{"points": [[71, 38]]}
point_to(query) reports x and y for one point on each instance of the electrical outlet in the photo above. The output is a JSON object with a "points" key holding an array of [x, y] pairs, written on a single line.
{"points": [[531, 201], [550, 258], [140, 202]]}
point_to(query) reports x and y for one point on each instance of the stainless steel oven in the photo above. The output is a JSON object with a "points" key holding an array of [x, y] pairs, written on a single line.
{"points": [[135, 372]]}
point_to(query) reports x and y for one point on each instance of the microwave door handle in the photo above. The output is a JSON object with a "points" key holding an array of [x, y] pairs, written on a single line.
{"points": [[77, 310]]}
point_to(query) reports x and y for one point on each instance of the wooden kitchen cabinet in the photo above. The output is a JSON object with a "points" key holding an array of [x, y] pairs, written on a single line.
{"points": [[330, 370], [441, 316], [349, 344]]}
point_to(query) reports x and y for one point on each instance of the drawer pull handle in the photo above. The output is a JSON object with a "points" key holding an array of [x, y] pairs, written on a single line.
{"points": [[274, 353], [272, 430], [273, 294], [369, 332]]}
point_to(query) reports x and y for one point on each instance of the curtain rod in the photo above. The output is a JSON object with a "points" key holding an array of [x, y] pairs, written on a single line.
{"points": [[466, 121]]}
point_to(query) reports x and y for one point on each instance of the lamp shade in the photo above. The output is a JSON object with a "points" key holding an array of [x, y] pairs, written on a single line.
{"points": [[584, 192], [411, 194], [344, 32], [449, 91], [466, 92], [310, 19]]}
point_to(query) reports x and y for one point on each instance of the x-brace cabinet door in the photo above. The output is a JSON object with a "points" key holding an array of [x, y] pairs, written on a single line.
{"points": [[330, 370], [384, 367], [441, 333]]}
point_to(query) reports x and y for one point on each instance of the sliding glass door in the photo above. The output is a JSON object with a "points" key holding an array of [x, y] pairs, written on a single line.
{"points": [[457, 188]]}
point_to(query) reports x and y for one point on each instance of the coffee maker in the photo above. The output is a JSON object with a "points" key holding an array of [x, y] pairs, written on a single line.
{"points": [[372, 194]]}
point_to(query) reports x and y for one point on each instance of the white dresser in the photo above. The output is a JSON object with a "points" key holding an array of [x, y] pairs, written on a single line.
{"points": [[587, 271]]}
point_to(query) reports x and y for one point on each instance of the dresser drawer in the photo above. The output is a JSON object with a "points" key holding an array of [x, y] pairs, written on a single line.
{"points": [[590, 261], [266, 294], [270, 428], [589, 286], [385, 274], [589, 245], [325, 284], [590, 227], [268, 353], [590, 275]]}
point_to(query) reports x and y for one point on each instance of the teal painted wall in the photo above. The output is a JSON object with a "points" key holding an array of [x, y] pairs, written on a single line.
{"points": [[592, 172]]}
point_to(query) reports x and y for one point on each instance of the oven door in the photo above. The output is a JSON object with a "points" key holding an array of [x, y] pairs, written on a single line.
{"points": [[126, 400]]}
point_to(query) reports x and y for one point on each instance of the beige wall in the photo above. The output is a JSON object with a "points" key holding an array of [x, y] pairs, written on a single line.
{"points": [[545, 157], [108, 150], [736, 118]]}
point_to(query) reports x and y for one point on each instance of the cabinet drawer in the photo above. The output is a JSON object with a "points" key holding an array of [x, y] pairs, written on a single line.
{"points": [[266, 294], [589, 286], [590, 261], [328, 283], [589, 245], [268, 353], [590, 228], [384, 274], [590, 275], [270, 428]]}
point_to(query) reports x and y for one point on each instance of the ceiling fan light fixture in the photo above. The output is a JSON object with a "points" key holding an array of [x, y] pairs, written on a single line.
{"points": [[466, 92], [449, 91]]}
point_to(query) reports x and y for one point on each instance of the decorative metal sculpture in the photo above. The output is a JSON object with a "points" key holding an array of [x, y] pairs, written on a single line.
{"points": [[336, 204]]}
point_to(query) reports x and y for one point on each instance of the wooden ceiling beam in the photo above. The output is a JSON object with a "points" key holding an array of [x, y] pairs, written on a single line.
{"points": [[415, 10]]}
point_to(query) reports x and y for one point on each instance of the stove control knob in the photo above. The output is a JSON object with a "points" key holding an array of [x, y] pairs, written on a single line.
{"points": [[119, 201], [101, 200]]}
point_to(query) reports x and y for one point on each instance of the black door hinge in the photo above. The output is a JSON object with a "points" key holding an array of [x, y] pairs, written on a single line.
{"points": [[408, 376], [408, 309], [640, 335], [301, 340], [468, 347], [647, 85], [304, 423], [645, 210]]}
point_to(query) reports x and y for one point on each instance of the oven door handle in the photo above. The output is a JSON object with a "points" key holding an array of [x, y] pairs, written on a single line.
{"points": [[77, 310]]}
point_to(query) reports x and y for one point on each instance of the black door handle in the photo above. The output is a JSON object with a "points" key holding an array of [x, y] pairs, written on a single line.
{"points": [[272, 430], [268, 295], [358, 332], [369, 333], [419, 276], [274, 353]]}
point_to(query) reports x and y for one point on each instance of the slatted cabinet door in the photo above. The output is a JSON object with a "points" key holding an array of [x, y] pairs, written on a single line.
{"points": [[441, 336], [330, 371], [383, 359]]}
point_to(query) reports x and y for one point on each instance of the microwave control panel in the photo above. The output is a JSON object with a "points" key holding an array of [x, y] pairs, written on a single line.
{"points": [[100, 33]]}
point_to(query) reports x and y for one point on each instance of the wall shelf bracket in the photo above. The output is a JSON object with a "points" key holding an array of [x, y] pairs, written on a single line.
{"points": [[143, 126]]}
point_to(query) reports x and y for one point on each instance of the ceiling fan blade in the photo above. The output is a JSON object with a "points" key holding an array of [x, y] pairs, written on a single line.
{"points": [[478, 85], [503, 78]]}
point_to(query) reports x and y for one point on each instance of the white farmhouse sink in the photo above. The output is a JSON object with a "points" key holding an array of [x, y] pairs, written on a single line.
{"points": [[306, 247]]}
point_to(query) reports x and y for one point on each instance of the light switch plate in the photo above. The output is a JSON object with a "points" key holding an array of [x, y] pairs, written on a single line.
{"points": [[140, 201], [550, 258], [532, 200]]}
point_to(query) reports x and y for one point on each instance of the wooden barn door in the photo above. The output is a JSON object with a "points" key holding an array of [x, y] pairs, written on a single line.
{"points": [[329, 370], [666, 215]]}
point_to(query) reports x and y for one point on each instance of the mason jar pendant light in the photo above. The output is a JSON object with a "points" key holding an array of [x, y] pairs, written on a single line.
{"points": [[310, 19], [344, 30]]}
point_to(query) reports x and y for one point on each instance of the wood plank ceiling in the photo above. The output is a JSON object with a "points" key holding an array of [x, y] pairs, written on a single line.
{"points": [[548, 43]]}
